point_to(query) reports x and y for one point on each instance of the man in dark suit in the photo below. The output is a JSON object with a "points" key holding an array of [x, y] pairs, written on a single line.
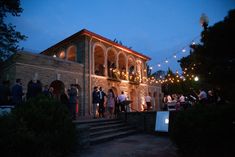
{"points": [[101, 102], [17, 93]]}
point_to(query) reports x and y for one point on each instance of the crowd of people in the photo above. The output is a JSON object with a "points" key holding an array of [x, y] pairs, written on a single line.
{"points": [[107, 105], [211, 97], [15, 96], [104, 105]]}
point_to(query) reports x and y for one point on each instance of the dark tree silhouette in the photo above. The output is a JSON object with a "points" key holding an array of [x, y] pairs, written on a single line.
{"points": [[214, 58], [9, 37]]}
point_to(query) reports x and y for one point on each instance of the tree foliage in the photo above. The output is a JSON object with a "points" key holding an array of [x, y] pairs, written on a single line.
{"points": [[9, 37], [214, 57]]}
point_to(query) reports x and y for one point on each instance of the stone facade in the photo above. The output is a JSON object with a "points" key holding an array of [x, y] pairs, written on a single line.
{"points": [[87, 60]]}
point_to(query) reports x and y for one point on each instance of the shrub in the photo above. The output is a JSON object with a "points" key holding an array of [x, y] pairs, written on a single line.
{"points": [[205, 130], [41, 127]]}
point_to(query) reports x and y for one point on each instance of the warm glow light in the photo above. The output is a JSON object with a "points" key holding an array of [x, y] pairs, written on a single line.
{"points": [[54, 55], [196, 79]]}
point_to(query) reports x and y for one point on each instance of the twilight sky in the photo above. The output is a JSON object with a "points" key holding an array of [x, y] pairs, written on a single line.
{"points": [[156, 28]]}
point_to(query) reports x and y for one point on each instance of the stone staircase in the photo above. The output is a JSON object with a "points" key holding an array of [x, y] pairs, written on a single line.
{"points": [[102, 130]]}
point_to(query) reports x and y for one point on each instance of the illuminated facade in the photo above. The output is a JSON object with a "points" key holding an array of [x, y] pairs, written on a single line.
{"points": [[87, 60]]}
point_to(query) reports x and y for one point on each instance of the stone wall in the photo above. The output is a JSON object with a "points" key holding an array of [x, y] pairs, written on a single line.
{"points": [[143, 121]]}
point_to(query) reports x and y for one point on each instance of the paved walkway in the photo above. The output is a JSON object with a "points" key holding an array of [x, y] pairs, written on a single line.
{"points": [[139, 145]]}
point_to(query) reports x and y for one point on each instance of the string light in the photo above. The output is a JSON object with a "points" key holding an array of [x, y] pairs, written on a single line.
{"points": [[185, 75], [175, 56]]}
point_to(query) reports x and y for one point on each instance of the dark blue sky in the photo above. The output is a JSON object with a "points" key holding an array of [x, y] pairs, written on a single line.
{"points": [[156, 28]]}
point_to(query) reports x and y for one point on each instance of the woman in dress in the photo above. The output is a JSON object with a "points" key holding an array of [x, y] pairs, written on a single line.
{"points": [[110, 102]]}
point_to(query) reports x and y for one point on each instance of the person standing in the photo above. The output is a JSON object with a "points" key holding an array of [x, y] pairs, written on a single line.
{"points": [[110, 102], [95, 100], [121, 100], [73, 100], [34, 89], [202, 97], [5, 93], [148, 102], [64, 99], [17, 93], [101, 102]]}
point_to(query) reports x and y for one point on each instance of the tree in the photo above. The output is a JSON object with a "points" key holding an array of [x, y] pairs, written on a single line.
{"points": [[149, 71], [213, 59], [9, 37]]}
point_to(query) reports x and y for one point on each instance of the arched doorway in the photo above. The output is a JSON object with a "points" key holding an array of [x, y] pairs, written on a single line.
{"points": [[115, 91], [58, 87], [133, 98], [34, 88]]}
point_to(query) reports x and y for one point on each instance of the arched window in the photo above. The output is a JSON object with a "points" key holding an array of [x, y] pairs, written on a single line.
{"points": [[61, 54], [122, 66], [99, 58], [71, 53], [131, 68], [111, 63]]}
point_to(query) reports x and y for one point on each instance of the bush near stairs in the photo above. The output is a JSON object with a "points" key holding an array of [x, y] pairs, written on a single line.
{"points": [[41, 127]]}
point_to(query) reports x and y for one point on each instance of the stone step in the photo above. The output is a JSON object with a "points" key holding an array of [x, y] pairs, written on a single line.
{"points": [[102, 130], [109, 137], [109, 131], [104, 127], [96, 121]]}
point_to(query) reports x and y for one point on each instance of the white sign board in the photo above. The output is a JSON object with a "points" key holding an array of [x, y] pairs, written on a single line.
{"points": [[162, 121]]}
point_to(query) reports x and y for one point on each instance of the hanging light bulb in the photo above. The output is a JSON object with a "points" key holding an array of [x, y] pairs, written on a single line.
{"points": [[175, 56], [150, 68], [159, 65], [193, 43], [166, 61], [196, 78], [183, 50]]}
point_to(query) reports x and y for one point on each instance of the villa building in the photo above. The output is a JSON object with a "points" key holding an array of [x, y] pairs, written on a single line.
{"points": [[87, 60]]}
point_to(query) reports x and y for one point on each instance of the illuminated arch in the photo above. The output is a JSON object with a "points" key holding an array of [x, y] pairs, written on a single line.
{"points": [[72, 53], [131, 67], [61, 54], [99, 59], [122, 62], [111, 61]]}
